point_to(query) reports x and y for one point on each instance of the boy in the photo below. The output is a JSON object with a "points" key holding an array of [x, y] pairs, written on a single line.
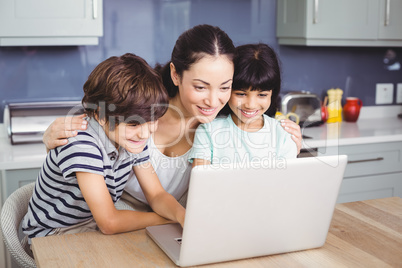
{"points": [[80, 182]]}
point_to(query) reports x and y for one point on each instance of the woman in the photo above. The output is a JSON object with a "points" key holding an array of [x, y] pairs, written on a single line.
{"points": [[198, 79]]}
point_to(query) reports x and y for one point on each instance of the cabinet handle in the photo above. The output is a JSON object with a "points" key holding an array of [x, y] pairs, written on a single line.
{"points": [[366, 160], [387, 10], [95, 9], [315, 18]]}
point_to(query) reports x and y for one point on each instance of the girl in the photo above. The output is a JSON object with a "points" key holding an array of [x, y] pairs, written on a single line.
{"points": [[247, 134]]}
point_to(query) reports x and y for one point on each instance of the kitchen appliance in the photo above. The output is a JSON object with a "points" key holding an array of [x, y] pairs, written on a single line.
{"points": [[27, 121], [305, 104]]}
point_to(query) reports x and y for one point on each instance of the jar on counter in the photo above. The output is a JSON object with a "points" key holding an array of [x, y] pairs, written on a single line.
{"points": [[351, 109], [334, 105]]}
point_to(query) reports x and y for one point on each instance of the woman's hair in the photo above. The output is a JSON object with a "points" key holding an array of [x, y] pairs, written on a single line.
{"points": [[257, 68], [193, 45], [124, 89]]}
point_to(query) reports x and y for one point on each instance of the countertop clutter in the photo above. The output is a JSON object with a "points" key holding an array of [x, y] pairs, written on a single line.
{"points": [[366, 130]]}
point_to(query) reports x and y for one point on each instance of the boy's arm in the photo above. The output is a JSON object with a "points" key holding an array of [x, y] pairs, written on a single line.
{"points": [[161, 202], [107, 217]]}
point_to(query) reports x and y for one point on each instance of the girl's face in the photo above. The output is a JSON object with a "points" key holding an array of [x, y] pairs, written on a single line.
{"points": [[205, 88], [248, 107]]}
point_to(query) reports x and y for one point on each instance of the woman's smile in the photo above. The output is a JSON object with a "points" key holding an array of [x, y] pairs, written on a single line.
{"points": [[207, 111]]}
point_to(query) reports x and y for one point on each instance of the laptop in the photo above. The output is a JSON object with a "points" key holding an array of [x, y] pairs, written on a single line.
{"points": [[254, 209]]}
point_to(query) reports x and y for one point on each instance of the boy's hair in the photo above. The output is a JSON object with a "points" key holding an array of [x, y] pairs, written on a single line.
{"points": [[124, 89], [193, 45], [257, 67]]}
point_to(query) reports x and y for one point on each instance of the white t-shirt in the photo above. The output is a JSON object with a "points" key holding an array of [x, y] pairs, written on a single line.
{"points": [[222, 141], [173, 173]]}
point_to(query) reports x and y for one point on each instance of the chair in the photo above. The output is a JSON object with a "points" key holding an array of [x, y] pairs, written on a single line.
{"points": [[14, 209]]}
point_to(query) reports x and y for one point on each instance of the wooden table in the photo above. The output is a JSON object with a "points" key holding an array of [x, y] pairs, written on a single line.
{"points": [[362, 234]]}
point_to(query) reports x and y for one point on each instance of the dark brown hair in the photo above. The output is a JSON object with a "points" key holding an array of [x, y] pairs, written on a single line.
{"points": [[124, 89], [191, 46], [256, 67]]}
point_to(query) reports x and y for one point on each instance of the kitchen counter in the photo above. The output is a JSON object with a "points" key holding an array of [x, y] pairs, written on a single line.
{"points": [[364, 131], [21, 156]]}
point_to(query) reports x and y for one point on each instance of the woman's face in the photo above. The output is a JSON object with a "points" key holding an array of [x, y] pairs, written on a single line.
{"points": [[205, 88]]}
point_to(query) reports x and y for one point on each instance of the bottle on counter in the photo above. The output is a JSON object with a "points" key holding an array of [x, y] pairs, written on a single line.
{"points": [[334, 105]]}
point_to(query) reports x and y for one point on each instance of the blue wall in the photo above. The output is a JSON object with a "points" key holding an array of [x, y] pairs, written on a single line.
{"points": [[150, 29]]}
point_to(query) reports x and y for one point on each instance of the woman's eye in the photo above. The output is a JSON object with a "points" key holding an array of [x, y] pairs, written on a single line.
{"points": [[199, 88], [225, 88]]}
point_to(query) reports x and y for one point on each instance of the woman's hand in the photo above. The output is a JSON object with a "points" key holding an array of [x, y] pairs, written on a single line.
{"points": [[294, 130], [63, 128]]}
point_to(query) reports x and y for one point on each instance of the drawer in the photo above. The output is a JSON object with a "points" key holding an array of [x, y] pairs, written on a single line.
{"points": [[371, 159], [11, 180], [370, 187]]}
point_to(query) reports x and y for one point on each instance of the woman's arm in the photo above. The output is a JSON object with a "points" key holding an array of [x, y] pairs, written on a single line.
{"points": [[61, 129], [161, 202], [107, 217], [294, 130]]}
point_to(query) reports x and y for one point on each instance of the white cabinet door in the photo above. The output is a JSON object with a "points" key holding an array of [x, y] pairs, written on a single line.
{"points": [[339, 22], [390, 23], [373, 170], [45, 19], [342, 19]]}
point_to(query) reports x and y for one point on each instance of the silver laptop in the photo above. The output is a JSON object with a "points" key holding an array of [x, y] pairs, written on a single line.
{"points": [[246, 210]]}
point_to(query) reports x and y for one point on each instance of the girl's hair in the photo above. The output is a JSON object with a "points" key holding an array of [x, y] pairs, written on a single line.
{"points": [[124, 89], [257, 68], [193, 45]]}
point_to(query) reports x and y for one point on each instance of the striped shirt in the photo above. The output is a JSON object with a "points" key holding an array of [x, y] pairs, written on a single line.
{"points": [[57, 201]]}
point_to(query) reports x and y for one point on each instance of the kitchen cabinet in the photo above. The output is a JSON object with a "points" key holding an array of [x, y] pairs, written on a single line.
{"points": [[373, 170], [339, 23], [390, 20], [50, 22], [10, 181]]}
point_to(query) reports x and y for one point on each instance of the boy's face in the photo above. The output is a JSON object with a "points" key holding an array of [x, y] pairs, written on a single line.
{"points": [[248, 107], [131, 137]]}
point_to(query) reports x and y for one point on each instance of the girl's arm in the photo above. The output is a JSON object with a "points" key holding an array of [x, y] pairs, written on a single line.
{"points": [[198, 162], [294, 130], [161, 202], [107, 217], [61, 129]]}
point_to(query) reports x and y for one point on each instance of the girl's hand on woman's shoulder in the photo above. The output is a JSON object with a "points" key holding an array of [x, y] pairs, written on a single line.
{"points": [[63, 128], [293, 129]]}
